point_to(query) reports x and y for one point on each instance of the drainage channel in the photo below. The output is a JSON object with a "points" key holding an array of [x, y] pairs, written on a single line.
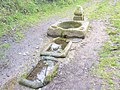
{"points": [[47, 67]]}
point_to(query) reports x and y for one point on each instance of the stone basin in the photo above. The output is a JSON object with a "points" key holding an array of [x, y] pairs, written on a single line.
{"points": [[69, 29], [41, 75], [58, 47]]}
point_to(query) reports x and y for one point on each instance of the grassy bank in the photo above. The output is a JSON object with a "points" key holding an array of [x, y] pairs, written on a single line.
{"points": [[16, 13], [108, 67]]}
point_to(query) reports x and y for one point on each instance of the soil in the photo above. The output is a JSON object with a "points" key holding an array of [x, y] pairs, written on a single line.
{"points": [[75, 70]]}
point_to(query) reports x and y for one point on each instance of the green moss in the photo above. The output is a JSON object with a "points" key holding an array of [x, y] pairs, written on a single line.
{"points": [[24, 75], [5, 45], [51, 75], [103, 10]]}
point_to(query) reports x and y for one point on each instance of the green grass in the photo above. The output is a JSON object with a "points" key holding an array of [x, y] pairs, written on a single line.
{"points": [[2, 48], [5, 45], [103, 10], [28, 12], [108, 67]]}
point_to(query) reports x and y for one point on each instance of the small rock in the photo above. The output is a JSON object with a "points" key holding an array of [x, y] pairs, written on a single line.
{"points": [[7, 75], [76, 40], [37, 47], [20, 53], [27, 53], [24, 54]]}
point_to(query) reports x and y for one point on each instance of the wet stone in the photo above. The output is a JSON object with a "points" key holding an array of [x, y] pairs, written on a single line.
{"points": [[37, 76]]}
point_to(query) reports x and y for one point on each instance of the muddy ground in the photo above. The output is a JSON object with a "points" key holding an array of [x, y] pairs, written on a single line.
{"points": [[75, 70]]}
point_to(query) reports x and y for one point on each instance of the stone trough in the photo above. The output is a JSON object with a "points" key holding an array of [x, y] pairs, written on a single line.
{"points": [[58, 47], [68, 29], [41, 75]]}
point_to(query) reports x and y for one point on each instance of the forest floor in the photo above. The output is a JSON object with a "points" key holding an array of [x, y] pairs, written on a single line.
{"points": [[75, 73]]}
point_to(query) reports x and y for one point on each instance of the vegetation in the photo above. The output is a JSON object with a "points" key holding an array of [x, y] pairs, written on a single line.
{"points": [[16, 13], [109, 63]]}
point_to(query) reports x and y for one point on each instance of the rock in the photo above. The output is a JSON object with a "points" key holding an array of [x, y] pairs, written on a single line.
{"points": [[20, 53], [69, 29], [79, 11], [7, 75], [32, 84], [49, 58], [79, 14], [37, 47], [76, 40], [24, 54], [55, 47]]}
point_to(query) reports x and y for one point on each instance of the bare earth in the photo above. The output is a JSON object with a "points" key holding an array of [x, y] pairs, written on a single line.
{"points": [[75, 70]]}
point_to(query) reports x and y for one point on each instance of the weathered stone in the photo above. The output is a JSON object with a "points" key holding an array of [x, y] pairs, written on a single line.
{"points": [[51, 74], [65, 46], [32, 84], [79, 14], [79, 11], [52, 30], [78, 18], [40, 75], [49, 58], [69, 29]]}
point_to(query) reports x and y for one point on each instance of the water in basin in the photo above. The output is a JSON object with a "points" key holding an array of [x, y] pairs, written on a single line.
{"points": [[69, 24]]}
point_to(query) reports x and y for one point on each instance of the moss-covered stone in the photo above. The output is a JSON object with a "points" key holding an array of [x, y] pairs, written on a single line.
{"points": [[67, 29], [79, 11], [51, 75], [65, 46], [79, 14], [32, 84]]}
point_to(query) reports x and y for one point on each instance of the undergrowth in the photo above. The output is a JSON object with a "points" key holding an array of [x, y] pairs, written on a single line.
{"points": [[15, 13]]}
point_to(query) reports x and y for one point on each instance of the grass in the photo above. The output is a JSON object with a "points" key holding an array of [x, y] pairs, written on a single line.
{"points": [[108, 67], [5, 45], [29, 12], [103, 10]]}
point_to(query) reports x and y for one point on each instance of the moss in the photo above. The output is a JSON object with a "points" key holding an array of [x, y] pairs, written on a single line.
{"points": [[24, 75], [51, 75]]}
